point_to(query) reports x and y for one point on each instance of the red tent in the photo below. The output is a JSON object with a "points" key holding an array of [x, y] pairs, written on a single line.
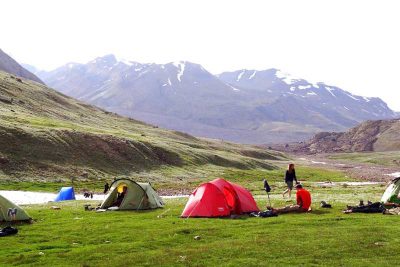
{"points": [[219, 198]]}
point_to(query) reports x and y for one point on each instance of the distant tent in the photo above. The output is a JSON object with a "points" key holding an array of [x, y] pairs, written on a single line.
{"points": [[66, 193], [219, 198], [6, 204], [138, 196], [392, 191]]}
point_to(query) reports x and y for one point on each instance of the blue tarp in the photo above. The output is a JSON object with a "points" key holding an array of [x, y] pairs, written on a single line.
{"points": [[66, 193]]}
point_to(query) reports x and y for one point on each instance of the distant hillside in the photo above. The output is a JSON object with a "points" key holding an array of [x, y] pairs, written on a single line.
{"points": [[45, 135], [11, 66], [379, 135], [246, 106]]}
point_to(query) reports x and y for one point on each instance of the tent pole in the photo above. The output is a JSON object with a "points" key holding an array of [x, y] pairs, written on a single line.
{"points": [[269, 200]]}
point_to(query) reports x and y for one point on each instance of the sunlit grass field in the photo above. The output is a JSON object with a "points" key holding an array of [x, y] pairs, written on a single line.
{"points": [[74, 237]]}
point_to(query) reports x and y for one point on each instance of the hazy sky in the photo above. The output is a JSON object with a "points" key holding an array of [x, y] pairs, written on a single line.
{"points": [[351, 44]]}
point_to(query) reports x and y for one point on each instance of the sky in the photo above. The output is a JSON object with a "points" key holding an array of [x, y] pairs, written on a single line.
{"points": [[354, 45]]}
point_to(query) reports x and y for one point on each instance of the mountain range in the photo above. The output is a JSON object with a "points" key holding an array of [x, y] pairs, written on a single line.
{"points": [[246, 106]]}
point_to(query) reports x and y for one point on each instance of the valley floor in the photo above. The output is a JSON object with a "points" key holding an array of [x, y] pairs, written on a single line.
{"points": [[72, 236]]}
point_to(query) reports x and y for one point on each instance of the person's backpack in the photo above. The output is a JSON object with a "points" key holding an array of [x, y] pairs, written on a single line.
{"points": [[8, 231]]}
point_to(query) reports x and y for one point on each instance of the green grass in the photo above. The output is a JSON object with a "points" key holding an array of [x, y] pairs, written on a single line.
{"points": [[74, 237], [176, 180], [391, 158]]}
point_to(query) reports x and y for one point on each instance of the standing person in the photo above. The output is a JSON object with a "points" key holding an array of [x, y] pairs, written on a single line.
{"points": [[106, 187], [290, 176]]}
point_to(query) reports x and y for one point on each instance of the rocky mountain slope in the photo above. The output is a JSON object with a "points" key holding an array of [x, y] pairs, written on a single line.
{"points": [[46, 135], [379, 135], [9, 65], [242, 106]]}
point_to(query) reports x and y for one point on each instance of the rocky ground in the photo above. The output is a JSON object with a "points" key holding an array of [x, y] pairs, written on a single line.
{"points": [[361, 171]]}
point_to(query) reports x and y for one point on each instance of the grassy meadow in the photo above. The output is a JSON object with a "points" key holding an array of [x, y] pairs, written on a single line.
{"points": [[74, 237]]}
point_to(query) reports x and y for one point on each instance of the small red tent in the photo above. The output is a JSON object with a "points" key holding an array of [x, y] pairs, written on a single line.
{"points": [[219, 198]]}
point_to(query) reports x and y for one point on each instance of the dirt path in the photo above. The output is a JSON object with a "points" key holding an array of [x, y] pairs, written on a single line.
{"points": [[360, 171]]}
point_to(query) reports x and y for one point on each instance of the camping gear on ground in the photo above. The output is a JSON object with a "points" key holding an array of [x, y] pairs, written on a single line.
{"points": [[325, 205], [267, 189], [219, 198], [66, 193], [376, 207], [137, 196], [392, 191], [8, 231], [88, 207], [392, 211], [11, 212]]}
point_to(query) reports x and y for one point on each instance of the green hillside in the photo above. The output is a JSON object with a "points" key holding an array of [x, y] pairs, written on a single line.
{"points": [[47, 136]]}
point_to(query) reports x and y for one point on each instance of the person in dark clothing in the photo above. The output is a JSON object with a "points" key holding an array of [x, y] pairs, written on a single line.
{"points": [[376, 207], [106, 188], [290, 177]]}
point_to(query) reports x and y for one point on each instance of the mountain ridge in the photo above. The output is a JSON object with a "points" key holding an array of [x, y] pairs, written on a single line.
{"points": [[246, 106], [11, 66], [369, 136]]}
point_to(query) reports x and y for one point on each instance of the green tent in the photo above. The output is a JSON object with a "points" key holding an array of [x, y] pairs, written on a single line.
{"points": [[5, 205], [137, 196], [392, 191]]}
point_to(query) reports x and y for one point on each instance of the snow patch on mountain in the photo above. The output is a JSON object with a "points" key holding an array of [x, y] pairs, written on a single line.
{"points": [[303, 87], [367, 99], [351, 96], [286, 77], [240, 75], [181, 67], [252, 75], [330, 90], [233, 88]]}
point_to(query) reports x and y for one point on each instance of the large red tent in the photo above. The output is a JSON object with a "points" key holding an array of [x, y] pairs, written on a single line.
{"points": [[219, 198]]}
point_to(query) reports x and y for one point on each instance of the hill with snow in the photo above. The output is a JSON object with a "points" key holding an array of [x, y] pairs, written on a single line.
{"points": [[245, 106]]}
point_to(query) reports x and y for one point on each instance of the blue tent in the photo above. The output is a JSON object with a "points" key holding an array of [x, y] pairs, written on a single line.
{"points": [[66, 193]]}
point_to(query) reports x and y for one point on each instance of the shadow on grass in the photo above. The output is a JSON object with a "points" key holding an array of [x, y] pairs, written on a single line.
{"points": [[320, 211]]}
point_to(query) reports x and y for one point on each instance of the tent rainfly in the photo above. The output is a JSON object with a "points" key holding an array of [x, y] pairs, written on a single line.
{"points": [[392, 191], [138, 196], [219, 198], [5, 205], [66, 193]]}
